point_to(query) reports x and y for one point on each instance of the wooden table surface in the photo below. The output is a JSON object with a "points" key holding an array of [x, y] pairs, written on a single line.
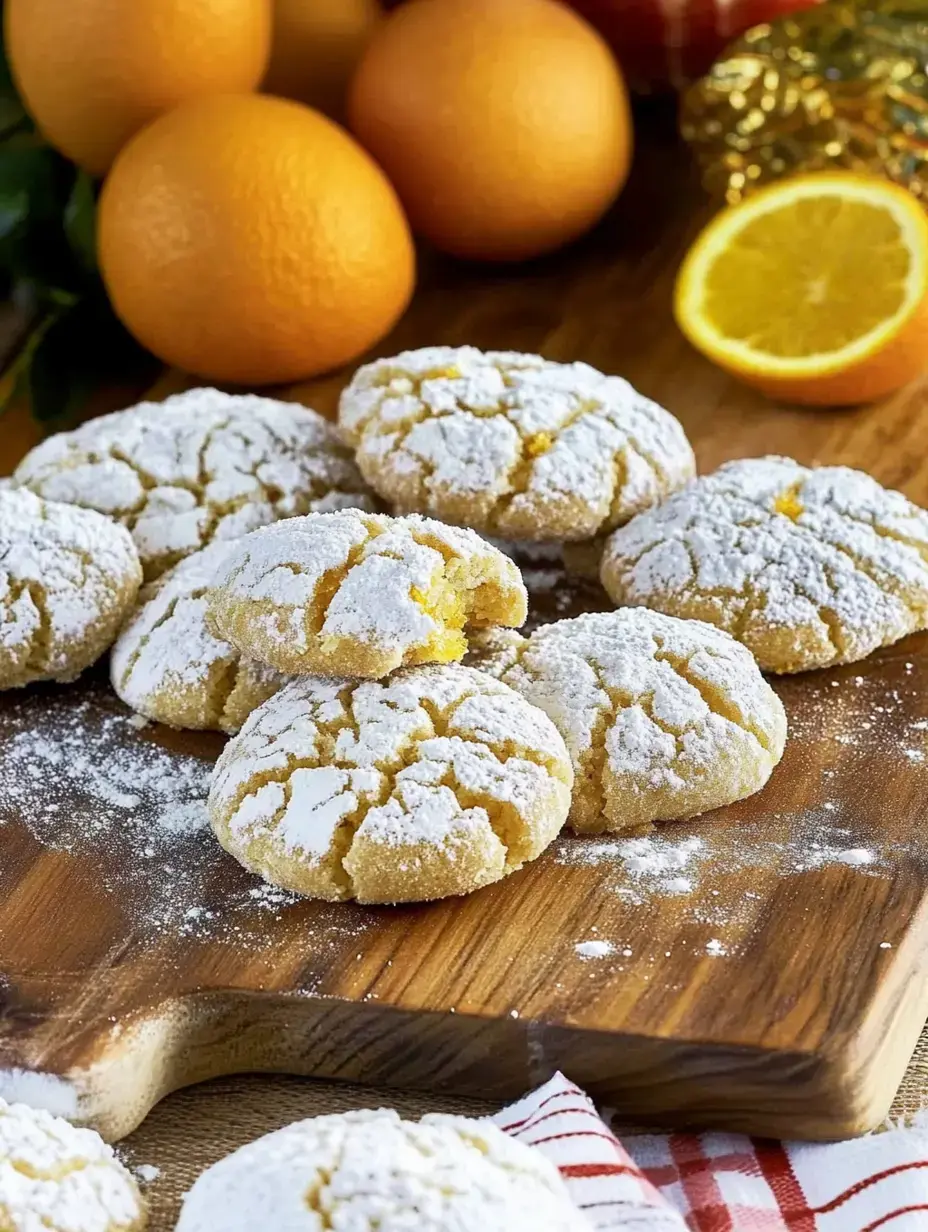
{"points": [[606, 301]]}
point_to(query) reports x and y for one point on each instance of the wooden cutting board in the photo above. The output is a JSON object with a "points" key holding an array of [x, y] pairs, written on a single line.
{"points": [[762, 968]]}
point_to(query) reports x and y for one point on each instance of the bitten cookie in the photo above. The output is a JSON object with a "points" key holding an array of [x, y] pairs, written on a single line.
{"points": [[168, 666], [56, 1178], [432, 783], [202, 465], [68, 579], [372, 1172], [663, 718], [355, 594], [510, 444], [806, 567]]}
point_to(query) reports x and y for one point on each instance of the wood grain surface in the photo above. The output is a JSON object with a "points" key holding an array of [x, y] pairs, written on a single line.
{"points": [[782, 993]]}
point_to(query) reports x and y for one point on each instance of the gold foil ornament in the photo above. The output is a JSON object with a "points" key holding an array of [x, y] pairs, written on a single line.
{"points": [[841, 86]]}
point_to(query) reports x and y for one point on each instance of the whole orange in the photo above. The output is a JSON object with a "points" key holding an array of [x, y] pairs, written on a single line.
{"points": [[316, 47], [504, 124], [93, 72], [250, 240]]}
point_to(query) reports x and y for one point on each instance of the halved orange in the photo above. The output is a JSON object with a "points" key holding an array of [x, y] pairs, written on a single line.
{"points": [[814, 289]]}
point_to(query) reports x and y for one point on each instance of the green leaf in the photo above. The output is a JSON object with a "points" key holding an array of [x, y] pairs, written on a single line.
{"points": [[80, 222], [36, 186], [59, 380], [76, 348]]}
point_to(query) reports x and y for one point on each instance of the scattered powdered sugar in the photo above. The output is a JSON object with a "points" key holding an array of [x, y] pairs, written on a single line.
{"points": [[80, 777], [855, 855], [594, 949], [841, 728], [147, 1173], [70, 774]]}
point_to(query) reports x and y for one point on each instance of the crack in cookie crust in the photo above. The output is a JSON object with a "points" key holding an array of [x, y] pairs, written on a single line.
{"points": [[807, 567], [511, 444], [68, 578], [168, 665], [199, 466], [361, 594], [372, 1172], [663, 718], [432, 783]]}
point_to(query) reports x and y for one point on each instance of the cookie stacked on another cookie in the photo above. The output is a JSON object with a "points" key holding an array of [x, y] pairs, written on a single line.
{"points": [[384, 771]]}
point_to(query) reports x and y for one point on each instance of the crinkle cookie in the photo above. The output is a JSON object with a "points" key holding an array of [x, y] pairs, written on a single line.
{"points": [[510, 444], [806, 567], [356, 594], [56, 1178], [68, 579], [434, 782], [372, 1172], [168, 666], [202, 465], [663, 718]]}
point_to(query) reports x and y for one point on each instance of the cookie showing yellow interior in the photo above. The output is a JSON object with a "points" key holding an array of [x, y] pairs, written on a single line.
{"points": [[68, 579], [168, 666], [808, 567], [200, 466], [511, 444], [663, 718], [358, 594], [58, 1178], [432, 783]]}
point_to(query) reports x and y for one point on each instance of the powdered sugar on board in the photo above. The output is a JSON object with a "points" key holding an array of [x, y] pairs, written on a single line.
{"points": [[853, 714], [80, 777]]}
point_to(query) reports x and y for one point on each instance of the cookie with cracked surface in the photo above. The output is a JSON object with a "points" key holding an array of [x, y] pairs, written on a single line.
{"points": [[434, 782], [168, 666], [68, 579], [368, 1171], [359, 594], [199, 466], [511, 444], [58, 1178], [663, 718], [808, 567]]}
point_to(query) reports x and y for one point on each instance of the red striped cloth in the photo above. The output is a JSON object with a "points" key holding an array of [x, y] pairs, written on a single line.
{"points": [[723, 1182]]}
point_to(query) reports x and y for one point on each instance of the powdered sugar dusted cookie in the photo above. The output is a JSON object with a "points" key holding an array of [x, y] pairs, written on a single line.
{"points": [[359, 594], [663, 718], [202, 465], [68, 578], [372, 1172], [511, 444], [807, 567], [168, 666], [55, 1178], [434, 782]]}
